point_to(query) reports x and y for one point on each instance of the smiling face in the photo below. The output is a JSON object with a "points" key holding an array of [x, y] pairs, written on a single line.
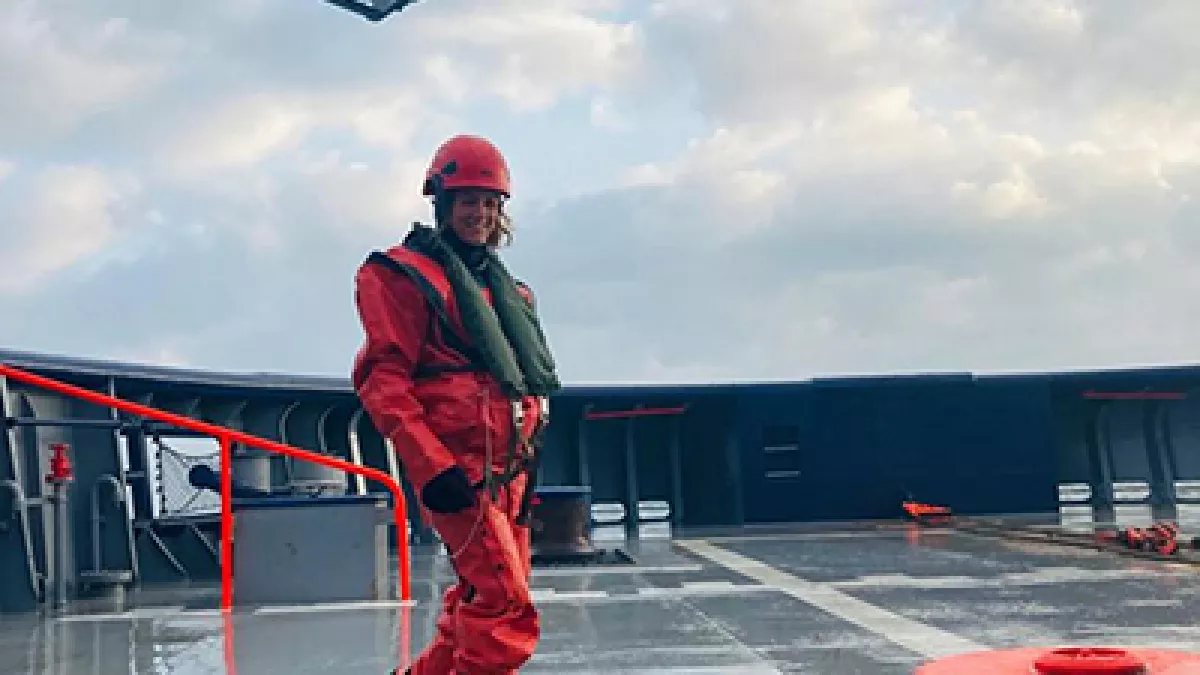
{"points": [[475, 216]]}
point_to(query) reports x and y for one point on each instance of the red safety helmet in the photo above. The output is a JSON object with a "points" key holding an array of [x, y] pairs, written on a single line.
{"points": [[468, 162]]}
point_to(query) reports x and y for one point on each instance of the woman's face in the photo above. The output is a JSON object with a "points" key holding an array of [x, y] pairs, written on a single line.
{"points": [[475, 215]]}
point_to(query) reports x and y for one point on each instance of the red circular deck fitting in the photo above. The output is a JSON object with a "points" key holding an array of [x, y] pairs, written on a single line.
{"points": [[1089, 661], [1067, 661]]}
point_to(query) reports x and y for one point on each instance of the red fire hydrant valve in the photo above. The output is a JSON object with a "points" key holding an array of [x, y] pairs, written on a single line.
{"points": [[1067, 661], [60, 464]]}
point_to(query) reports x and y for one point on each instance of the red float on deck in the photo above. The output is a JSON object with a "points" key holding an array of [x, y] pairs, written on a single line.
{"points": [[1067, 661]]}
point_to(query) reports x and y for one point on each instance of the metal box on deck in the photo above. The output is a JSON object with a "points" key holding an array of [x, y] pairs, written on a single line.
{"points": [[311, 550]]}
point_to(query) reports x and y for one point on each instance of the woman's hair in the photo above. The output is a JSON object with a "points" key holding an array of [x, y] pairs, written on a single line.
{"points": [[503, 234]]}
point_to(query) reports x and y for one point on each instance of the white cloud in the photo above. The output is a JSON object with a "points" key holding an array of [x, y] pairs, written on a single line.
{"points": [[249, 130], [240, 132], [604, 114], [922, 194], [63, 216], [158, 354], [58, 71], [1011, 196], [365, 196], [794, 188], [530, 53]]}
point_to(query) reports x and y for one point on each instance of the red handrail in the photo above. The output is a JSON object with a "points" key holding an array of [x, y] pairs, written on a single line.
{"points": [[227, 437]]}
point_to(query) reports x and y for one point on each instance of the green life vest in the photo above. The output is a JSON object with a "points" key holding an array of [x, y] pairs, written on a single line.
{"points": [[506, 335]]}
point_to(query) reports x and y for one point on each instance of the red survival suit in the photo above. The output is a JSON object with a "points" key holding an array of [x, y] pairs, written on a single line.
{"points": [[439, 411]]}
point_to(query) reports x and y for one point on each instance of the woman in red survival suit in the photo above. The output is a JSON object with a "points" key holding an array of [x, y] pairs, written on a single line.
{"points": [[456, 372]]}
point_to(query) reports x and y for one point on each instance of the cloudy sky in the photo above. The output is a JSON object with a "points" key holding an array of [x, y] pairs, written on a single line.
{"points": [[705, 189]]}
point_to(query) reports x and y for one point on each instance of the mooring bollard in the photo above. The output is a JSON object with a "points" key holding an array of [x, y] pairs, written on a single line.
{"points": [[562, 524]]}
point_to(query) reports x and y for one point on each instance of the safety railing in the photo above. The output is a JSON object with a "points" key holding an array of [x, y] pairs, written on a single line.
{"points": [[227, 437]]}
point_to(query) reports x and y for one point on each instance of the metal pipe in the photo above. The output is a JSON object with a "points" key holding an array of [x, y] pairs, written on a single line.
{"points": [[322, 443], [118, 497], [281, 429], [120, 438], [675, 452], [61, 525], [50, 422], [355, 447], [17, 503], [168, 431], [633, 499], [585, 474], [122, 426], [61, 475]]}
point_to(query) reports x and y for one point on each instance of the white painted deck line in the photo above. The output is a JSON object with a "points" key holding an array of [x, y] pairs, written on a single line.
{"points": [[1046, 575], [333, 607], [893, 533], [703, 588], [912, 635], [551, 595], [581, 571], [179, 612]]}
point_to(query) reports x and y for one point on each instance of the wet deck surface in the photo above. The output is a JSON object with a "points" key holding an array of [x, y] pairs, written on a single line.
{"points": [[826, 602]]}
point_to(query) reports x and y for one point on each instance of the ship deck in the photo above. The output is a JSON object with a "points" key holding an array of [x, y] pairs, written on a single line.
{"points": [[830, 600]]}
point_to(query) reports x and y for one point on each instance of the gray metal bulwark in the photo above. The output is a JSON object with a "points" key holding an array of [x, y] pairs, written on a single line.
{"points": [[19, 591]]}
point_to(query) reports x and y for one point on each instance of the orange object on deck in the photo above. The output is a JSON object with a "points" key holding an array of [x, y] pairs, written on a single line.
{"points": [[1161, 537], [1067, 661], [926, 512]]}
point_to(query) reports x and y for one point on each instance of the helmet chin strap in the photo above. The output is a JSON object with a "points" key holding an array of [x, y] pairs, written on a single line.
{"points": [[441, 197]]}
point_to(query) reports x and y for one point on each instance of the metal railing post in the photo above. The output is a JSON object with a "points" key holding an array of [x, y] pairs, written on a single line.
{"points": [[226, 522]]}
